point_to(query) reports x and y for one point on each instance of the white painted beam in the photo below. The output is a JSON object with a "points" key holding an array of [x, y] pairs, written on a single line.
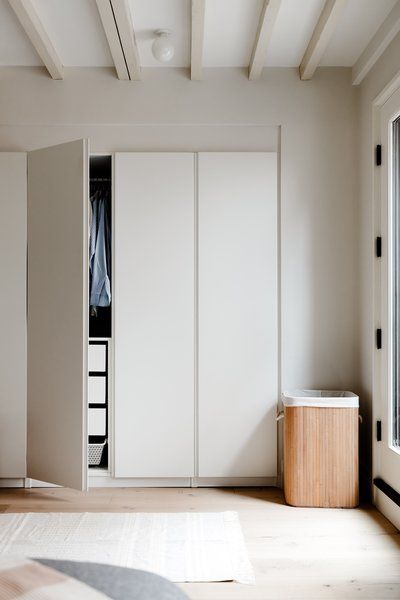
{"points": [[197, 42], [37, 34], [110, 29], [123, 19], [321, 36], [263, 37], [376, 47], [118, 26]]}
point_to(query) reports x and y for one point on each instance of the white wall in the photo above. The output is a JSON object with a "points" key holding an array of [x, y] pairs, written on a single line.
{"points": [[312, 124], [383, 72]]}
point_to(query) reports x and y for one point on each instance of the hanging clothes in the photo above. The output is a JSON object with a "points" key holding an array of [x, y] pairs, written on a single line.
{"points": [[100, 248]]}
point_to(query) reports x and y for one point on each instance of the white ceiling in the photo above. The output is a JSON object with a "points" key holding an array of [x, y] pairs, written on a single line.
{"points": [[358, 24], [230, 26]]}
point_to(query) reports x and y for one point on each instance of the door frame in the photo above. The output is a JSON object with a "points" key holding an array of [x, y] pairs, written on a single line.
{"points": [[381, 367]]}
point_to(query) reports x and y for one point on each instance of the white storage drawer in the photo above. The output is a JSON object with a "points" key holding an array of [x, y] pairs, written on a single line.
{"points": [[97, 421], [97, 357], [97, 390]]}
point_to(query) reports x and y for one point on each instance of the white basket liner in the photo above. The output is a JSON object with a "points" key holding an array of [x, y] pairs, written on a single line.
{"points": [[95, 453], [320, 398]]}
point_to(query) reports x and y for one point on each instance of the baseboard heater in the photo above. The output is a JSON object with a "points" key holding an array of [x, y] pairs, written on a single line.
{"points": [[387, 490]]}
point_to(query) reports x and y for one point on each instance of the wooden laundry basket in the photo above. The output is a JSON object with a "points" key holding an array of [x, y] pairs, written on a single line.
{"points": [[321, 450]]}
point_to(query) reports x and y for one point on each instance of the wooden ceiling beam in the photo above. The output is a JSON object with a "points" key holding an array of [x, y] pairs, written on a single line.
{"points": [[376, 47], [124, 22], [321, 37], [197, 39], [266, 24], [31, 23], [117, 22]]}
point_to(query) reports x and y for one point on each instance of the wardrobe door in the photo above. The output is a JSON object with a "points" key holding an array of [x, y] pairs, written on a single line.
{"points": [[13, 314], [238, 352], [154, 315], [58, 314]]}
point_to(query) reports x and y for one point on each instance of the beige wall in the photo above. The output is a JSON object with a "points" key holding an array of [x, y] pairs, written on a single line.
{"points": [[311, 124], [383, 72]]}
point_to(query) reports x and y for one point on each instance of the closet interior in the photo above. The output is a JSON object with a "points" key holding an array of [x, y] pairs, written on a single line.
{"points": [[100, 312]]}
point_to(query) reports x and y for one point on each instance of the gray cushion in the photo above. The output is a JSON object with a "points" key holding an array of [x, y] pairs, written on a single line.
{"points": [[118, 583]]}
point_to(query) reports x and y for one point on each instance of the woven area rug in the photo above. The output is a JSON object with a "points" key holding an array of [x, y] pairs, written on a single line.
{"points": [[179, 546]]}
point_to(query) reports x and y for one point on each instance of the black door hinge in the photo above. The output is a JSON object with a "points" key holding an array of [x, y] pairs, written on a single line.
{"points": [[379, 339], [379, 431], [378, 155], [378, 246]]}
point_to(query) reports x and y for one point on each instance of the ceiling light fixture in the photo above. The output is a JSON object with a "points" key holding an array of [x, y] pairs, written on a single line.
{"points": [[163, 49]]}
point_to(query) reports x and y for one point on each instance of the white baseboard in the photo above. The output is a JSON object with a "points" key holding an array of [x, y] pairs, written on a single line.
{"points": [[14, 482], [387, 507], [149, 482], [106, 481], [25, 482]]}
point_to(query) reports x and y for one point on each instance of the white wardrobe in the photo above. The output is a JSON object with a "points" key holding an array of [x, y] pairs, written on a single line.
{"points": [[194, 351]]}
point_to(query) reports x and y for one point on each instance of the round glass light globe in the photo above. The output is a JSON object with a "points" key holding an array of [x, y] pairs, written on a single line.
{"points": [[163, 49]]}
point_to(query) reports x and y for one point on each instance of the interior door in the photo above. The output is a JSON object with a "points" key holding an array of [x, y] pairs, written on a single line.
{"points": [[238, 314], [58, 314], [154, 315], [387, 363]]}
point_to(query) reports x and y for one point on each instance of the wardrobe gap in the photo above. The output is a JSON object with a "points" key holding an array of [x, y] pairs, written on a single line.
{"points": [[100, 311]]}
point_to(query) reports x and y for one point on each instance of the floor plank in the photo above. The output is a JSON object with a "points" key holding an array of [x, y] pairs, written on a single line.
{"points": [[297, 553]]}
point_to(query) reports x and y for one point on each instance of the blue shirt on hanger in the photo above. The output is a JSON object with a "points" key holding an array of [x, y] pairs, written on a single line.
{"points": [[100, 288]]}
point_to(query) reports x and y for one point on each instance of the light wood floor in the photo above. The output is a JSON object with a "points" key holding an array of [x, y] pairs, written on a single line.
{"points": [[297, 553]]}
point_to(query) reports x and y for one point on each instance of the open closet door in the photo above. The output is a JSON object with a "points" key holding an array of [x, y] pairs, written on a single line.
{"points": [[58, 314]]}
